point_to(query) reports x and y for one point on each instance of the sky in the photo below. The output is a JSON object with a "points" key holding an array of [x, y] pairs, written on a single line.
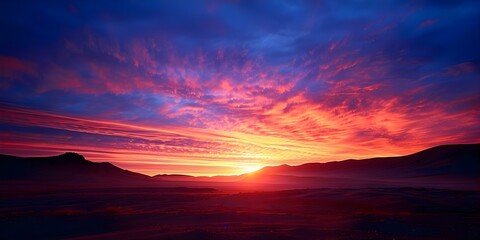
{"points": [[226, 87]]}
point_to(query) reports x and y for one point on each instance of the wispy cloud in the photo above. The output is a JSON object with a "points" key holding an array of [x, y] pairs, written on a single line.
{"points": [[216, 87]]}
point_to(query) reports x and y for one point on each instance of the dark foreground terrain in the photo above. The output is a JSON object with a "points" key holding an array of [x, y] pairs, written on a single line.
{"points": [[432, 194], [185, 213]]}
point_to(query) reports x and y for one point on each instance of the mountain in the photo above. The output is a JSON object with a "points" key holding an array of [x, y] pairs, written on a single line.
{"points": [[455, 161], [447, 166], [67, 169]]}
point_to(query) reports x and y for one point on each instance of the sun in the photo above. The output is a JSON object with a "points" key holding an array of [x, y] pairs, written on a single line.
{"points": [[251, 168]]}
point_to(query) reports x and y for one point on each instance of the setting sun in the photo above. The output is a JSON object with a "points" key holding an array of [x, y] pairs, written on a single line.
{"points": [[251, 168]]}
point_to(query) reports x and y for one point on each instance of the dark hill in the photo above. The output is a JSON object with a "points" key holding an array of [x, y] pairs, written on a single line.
{"points": [[462, 161], [67, 169], [448, 166]]}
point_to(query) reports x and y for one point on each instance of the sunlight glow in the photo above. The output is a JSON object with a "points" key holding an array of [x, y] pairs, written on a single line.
{"points": [[251, 168]]}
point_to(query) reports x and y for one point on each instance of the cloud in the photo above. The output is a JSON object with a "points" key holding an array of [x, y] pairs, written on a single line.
{"points": [[221, 83]]}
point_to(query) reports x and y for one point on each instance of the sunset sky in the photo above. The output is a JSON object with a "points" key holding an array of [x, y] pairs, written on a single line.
{"points": [[225, 87]]}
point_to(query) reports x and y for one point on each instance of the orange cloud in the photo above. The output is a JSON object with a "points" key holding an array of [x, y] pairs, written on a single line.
{"points": [[304, 133]]}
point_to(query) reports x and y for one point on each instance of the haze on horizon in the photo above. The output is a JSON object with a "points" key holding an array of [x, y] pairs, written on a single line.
{"points": [[225, 87]]}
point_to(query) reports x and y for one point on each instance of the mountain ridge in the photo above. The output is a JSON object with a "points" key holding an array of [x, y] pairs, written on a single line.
{"points": [[467, 154], [440, 165], [66, 169], [446, 166]]}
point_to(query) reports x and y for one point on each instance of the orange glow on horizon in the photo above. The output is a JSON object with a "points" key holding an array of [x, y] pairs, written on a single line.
{"points": [[209, 152]]}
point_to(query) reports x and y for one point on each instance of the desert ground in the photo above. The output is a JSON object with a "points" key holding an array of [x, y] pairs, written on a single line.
{"points": [[205, 213]]}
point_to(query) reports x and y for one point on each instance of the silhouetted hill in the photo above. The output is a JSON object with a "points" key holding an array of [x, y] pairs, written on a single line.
{"points": [[448, 166], [462, 161], [67, 169]]}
